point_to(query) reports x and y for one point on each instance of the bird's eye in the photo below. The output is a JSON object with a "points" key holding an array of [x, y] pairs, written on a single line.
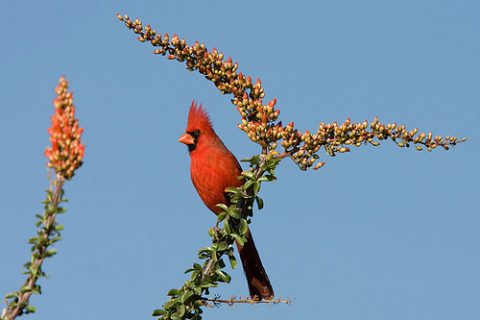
{"points": [[196, 132]]}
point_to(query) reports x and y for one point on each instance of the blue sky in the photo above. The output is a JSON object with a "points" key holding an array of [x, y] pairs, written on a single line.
{"points": [[379, 233]]}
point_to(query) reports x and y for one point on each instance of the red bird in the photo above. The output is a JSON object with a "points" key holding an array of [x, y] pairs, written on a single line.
{"points": [[213, 168]]}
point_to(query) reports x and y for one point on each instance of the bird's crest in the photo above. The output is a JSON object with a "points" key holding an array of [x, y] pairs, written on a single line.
{"points": [[198, 118]]}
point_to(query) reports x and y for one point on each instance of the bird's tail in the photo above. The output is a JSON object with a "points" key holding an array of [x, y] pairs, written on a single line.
{"points": [[258, 283]]}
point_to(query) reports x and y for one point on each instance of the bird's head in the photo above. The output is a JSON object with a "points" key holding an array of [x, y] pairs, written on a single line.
{"points": [[199, 127]]}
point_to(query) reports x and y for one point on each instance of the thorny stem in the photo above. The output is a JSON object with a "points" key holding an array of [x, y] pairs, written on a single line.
{"points": [[233, 300], [16, 306], [286, 153]]}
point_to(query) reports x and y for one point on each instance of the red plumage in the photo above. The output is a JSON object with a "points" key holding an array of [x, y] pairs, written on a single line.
{"points": [[213, 168]]}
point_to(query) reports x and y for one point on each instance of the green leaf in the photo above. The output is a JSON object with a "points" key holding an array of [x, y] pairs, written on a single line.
{"points": [[158, 312], [270, 177], [25, 289], [225, 277], [211, 232], [222, 246], [222, 206], [248, 184], [221, 216], [30, 309], [243, 227], [61, 210], [205, 253], [234, 212], [256, 187], [233, 190], [11, 295], [37, 289], [238, 238], [188, 296], [170, 304], [221, 264], [32, 240], [226, 226], [173, 292], [248, 174], [59, 227], [253, 160], [259, 203], [55, 239], [233, 261], [180, 311]]}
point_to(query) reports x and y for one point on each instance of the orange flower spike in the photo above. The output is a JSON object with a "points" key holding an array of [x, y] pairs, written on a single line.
{"points": [[66, 152]]}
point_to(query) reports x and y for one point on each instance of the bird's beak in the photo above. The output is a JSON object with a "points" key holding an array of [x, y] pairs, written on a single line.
{"points": [[186, 139]]}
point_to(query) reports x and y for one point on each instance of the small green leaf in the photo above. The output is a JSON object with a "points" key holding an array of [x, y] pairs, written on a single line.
{"points": [[158, 312], [24, 289], [243, 227], [256, 187], [253, 160], [172, 292], [233, 190], [234, 212], [238, 238], [180, 311], [11, 295], [61, 210], [211, 232], [259, 203], [222, 206], [226, 226], [222, 246], [248, 174], [170, 304], [221, 216], [30, 309], [188, 296], [271, 177], [248, 184], [233, 261], [37, 289], [221, 264], [33, 240], [225, 277]]}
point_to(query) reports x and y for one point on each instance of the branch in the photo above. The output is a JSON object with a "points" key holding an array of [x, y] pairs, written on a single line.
{"points": [[259, 119], [215, 302], [18, 302], [65, 156], [231, 226]]}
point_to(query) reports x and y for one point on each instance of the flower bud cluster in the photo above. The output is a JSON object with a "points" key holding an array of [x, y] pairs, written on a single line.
{"points": [[404, 137], [66, 153], [259, 119]]}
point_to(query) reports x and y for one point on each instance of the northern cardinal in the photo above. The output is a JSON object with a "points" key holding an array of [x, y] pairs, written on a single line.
{"points": [[213, 168]]}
